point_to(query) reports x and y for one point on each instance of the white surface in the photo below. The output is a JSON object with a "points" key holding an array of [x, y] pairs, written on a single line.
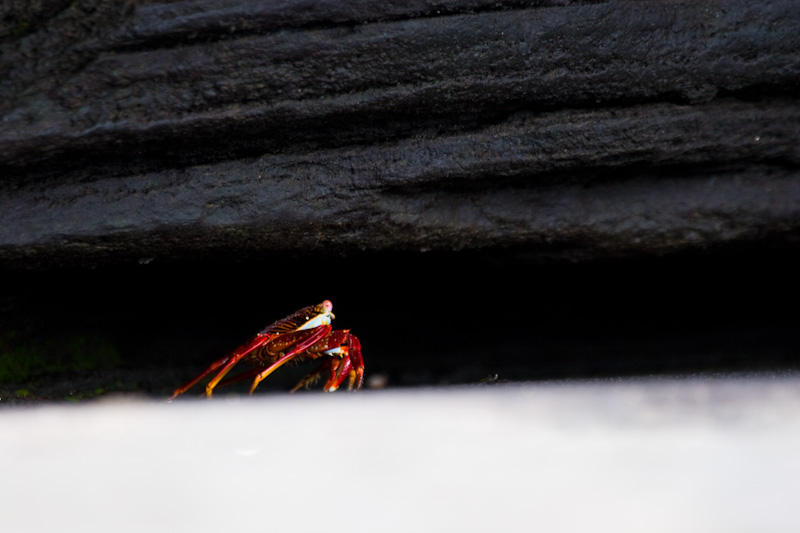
{"points": [[645, 455]]}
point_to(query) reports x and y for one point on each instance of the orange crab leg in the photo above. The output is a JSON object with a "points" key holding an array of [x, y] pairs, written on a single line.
{"points": [[226, 363], [239, 377], [317, 335], [241, 352], [215, 365]]}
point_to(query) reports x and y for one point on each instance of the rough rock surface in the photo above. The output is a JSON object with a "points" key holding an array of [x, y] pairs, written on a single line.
{"points": [[147, 129]]}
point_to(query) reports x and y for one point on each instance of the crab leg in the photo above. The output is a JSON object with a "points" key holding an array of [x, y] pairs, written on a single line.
{"points": [[226, 363], [215, 365], [312, 377], [318, 334], [239, 377], [257, 342]]}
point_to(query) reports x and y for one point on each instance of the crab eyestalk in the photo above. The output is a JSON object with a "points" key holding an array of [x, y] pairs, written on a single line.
{"points": [[323, 316]]}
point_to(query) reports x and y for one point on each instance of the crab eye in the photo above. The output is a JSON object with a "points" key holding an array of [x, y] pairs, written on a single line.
{"points": [[328, 306]]}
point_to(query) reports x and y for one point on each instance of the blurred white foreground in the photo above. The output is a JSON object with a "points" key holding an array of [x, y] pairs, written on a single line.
{"points": [[677, 455]]}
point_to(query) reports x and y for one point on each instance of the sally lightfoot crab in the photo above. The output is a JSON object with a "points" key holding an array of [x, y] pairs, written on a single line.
{"points": [[303, 335]]}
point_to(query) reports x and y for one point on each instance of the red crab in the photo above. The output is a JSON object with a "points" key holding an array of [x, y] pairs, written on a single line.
{"points": [[305, 334]]}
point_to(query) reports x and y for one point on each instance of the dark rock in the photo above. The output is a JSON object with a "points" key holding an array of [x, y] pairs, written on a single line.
{"points": [[572, 129], [602, 188]]}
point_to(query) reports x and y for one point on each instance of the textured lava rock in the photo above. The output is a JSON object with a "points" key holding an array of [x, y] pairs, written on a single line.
{"points": [[573, 129]]}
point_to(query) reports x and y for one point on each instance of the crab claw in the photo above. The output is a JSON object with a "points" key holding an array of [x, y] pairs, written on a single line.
{"points": [[351, 366], [342, 370], [357, 361]]}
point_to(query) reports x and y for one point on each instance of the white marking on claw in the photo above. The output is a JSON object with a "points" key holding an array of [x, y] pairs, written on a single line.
{"points": [[319, 320]]}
